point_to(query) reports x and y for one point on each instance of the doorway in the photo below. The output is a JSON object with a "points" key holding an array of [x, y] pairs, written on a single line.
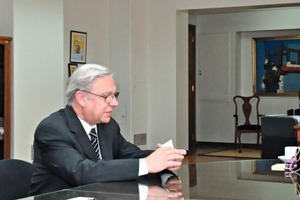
{"points": [[192, 88], [5, 97]]}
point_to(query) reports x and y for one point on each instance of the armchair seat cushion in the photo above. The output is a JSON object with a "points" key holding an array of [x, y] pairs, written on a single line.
{"points": [[250, 127]]}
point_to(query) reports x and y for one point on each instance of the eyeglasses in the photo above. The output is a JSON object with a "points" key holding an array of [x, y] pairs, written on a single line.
{"points": [[108, 99]]}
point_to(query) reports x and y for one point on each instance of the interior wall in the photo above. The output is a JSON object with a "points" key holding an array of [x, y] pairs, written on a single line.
{"points": [[120, 60], [139, 73], [6, 16], [162, 72], [38, 76], [92, 18], [182, 82], [240, 28]]}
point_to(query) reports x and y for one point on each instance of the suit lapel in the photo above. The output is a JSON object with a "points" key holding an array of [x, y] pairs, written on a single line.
{"points": [[79, 133], [105, 142]]}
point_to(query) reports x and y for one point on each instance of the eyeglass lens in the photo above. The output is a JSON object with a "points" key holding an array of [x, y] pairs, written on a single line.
{"points": [[110, 98]]}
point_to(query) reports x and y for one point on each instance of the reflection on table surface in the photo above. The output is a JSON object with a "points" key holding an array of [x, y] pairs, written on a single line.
{"points": [[244, 179]]}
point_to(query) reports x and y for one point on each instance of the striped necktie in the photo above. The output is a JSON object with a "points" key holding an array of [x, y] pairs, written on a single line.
{"points": [[95, 142]]}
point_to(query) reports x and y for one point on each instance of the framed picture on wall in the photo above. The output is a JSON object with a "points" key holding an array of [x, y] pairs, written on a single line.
{"points": [[72, 67], [276, 66], [78, 46]]}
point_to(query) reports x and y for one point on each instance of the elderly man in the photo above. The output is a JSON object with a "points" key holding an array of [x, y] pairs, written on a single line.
{"points": [[82, 143]]}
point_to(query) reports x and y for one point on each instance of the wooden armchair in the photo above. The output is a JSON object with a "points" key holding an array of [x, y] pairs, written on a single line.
{"points": [[243, 116]]}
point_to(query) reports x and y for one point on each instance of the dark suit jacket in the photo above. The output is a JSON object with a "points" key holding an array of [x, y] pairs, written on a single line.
{"points": [[64, 156]]}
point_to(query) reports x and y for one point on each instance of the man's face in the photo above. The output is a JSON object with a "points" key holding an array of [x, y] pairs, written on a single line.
{"points": [[98, 109]]}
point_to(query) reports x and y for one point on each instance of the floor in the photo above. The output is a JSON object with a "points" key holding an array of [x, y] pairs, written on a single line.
{"points": [[203, 148]]}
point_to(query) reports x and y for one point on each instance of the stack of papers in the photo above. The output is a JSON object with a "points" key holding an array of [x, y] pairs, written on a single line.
{"points": [[278, 167]]}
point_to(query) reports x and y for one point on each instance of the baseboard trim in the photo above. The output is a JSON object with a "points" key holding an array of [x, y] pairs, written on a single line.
{"points": [[232, 145]]}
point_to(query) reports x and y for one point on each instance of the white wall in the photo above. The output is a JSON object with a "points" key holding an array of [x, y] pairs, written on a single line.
{"points": [[233, 73], [92, 17], [38, 73], [120, 60], [162, 71], [111, 25], [182, 82], [139, 65], [6, 16]]}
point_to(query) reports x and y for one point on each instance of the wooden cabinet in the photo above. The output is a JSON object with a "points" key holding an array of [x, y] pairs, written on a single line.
{"points": [[5, 93]]}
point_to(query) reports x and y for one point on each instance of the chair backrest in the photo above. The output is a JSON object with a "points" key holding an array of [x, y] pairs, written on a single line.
{"points": [[243, 107], [15, 178]]}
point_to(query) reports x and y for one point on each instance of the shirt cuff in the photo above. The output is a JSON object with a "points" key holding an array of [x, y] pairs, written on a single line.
{"points": [[143, 191], [143, 168], [165, 177]]}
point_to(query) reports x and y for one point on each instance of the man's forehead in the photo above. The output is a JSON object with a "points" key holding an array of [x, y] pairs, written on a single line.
{"points": [[105, 84]]}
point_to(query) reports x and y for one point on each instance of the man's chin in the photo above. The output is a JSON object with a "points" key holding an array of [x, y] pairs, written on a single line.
{"points": [[106, 120]]}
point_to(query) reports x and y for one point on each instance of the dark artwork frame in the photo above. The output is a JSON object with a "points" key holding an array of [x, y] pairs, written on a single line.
{"points": [[276, 66], [72, 67]]}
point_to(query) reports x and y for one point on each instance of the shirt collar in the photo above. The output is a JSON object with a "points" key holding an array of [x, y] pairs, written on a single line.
{"points": [[86, 126]]}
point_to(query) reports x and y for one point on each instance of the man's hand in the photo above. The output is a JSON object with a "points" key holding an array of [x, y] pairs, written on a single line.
{"points": [[173, 184], [156, 192], [165, 158], [172, 190]]}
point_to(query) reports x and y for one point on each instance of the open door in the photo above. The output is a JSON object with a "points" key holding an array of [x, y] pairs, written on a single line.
{"points": [[192, 88], [5, 96]]}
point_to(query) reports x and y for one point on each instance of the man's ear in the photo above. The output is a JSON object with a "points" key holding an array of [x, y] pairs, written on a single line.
{"points": [[80, 98]]}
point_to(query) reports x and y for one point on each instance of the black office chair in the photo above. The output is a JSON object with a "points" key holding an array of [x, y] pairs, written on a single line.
{"points": [[15, 178]]}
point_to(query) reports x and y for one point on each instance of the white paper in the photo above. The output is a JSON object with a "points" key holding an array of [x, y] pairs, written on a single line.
{"points": [[82, 198], [278, 167], [168, 144]]}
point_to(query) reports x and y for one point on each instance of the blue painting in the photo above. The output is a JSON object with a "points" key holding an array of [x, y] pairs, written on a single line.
{"points": [[277, 66]]}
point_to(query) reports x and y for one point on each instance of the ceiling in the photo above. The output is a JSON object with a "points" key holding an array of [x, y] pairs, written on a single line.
{"points": [[239, 9]]}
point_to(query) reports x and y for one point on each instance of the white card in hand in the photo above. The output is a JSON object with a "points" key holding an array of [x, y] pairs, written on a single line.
{"points": [[168, 144]]}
